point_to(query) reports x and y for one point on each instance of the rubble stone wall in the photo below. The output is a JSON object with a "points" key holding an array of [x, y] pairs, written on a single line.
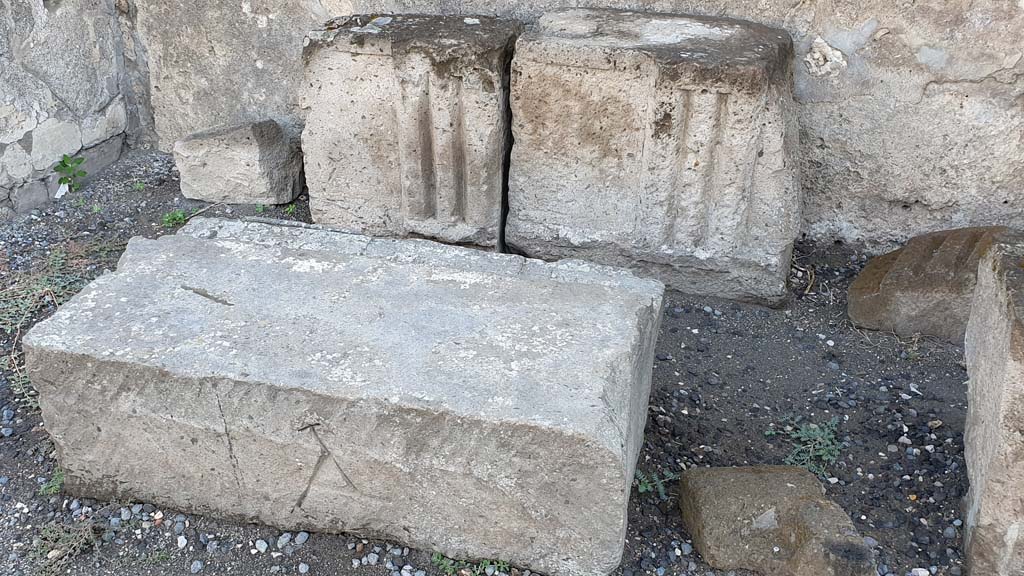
{"points": [[60, 93]]}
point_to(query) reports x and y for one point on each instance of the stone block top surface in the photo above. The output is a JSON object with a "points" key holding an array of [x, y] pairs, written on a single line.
{"points": [[442, 37], [414, 323], [701, 49]]}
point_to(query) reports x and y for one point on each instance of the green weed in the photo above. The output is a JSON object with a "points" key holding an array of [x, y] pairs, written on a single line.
{"points": [[12, 369], [58, 544], [815, 447], [65, 271], [174, 218], [71, 172], [54, 485], [451, 567], [654, 483]]}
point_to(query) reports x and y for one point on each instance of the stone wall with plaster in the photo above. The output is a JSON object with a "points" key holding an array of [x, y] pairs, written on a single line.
{"points": [[911, 112], [60, 93]]}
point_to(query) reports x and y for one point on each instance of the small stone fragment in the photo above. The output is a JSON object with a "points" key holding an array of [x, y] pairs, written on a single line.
{"points": [[772, 520], [251, 163], [925, 287]]}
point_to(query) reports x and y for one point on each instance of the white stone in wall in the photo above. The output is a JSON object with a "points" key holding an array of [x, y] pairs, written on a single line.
{"points": [[407, 125], [16, 163], [660, 142], [52, 139]]}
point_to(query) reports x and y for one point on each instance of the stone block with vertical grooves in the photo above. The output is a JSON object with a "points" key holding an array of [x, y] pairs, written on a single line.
{"points": [[407, 125], [994, 436], [925, 287], [657, 141], [482, 405]]}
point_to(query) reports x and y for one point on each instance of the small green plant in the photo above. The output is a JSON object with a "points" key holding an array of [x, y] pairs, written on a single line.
{"points": [[51, 283], [174, 218], [71, 172], [54, 485], [139, 185], [12, 369], [815, 446], [158, 557], [260, 208], [451, 567], [654, 483], [79, 203], [58, 544], [290, 209], [96, 208]]}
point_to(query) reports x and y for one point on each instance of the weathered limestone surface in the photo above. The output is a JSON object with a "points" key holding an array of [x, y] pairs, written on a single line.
{"points": [[249, 163], [209, 64], [659, 142], [925, 287], [440, 396], [59, 93], [929, 88], [407, 125], [774, 520], [993, 444]]}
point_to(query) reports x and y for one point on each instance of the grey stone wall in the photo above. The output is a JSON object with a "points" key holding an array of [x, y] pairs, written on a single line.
{"points": [[60, 93], [911, 112]]}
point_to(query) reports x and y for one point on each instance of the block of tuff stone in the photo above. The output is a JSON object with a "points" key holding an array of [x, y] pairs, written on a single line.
{"points": [[993, 443], [407, 125], [482, 405], [774, 520], [657, 141], [249, 163], [926, 287]]}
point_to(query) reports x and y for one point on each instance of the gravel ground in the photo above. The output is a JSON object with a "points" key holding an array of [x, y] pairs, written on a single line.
{"points": [[731, 382]]}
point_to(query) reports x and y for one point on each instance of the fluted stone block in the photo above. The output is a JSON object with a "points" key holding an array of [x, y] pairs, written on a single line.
{"points": [[660, 142], [993, 439], [482, 405], [407, 125]]}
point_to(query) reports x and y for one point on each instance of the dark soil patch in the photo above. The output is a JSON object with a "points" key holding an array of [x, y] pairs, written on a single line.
{"points": [[725, 375]]}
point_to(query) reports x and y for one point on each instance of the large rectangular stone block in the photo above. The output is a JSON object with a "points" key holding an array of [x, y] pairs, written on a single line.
{"points": [[478, 404], [657, 141], [994, 437], [407, 125]]}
